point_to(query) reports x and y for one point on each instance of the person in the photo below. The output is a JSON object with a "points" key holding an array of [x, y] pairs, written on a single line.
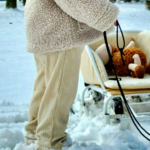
{"points": [[56, 32]]}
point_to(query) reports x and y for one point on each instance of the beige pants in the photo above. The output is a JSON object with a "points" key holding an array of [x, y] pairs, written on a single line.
{"points": [[54, 93]]}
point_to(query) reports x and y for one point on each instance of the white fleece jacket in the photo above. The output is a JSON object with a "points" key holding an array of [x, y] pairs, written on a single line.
{"points": [[56, 25]]}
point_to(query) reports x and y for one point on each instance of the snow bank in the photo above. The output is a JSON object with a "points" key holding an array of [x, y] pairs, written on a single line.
{"points": [[10, 137], [14, 118], [89, 131], [5, 148], [18, 126], [22, 146], [18, 71]]}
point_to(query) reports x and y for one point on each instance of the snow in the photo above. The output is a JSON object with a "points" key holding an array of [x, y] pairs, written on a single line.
{"points": [[17, 74]]}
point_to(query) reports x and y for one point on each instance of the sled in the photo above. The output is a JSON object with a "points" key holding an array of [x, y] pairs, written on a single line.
{"points": [[94, 74]]}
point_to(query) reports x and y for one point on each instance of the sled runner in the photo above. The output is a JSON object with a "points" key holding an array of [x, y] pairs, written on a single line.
{"points": [[94, 74]]}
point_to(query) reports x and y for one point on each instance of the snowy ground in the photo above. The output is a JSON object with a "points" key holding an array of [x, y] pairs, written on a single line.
{"points": [[17, 74]]}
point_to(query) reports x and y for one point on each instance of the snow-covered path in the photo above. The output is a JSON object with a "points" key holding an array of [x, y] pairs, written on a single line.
{"points": [[17, 74]]}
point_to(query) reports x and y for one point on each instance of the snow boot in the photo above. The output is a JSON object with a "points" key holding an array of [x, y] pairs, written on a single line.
{"points": [[67, 143]]}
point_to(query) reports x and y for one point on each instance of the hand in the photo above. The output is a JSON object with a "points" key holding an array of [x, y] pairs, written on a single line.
{"points": [[115, 23]]}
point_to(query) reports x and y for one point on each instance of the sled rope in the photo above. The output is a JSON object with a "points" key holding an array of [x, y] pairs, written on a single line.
{"points": [[133, 118], [120, 49]]}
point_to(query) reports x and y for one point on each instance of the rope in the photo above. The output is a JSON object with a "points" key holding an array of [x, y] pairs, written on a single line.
{"points": [[120, 49]]}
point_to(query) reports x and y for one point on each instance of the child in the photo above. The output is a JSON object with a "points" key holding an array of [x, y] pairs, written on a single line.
{"points": [[57, 31]]}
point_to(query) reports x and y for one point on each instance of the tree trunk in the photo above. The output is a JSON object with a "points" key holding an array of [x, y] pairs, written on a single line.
{"points": [[113, 1], [11, 4], [147, 3], [24, 2]]}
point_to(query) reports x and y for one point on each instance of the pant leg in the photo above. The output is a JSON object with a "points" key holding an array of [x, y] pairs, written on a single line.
{"points": [[38, 92], [61, 73]]}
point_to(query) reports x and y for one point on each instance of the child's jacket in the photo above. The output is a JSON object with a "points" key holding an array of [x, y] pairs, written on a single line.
{"points": [[56, 25]]}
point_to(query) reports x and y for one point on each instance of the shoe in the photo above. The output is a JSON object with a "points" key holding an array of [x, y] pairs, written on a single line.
{"points": [[67, 143], [30, 138], [37, 147], [29, 141]]}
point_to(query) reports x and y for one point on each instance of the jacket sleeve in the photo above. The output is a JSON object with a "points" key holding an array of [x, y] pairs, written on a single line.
{"points": [[98, 14]]}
